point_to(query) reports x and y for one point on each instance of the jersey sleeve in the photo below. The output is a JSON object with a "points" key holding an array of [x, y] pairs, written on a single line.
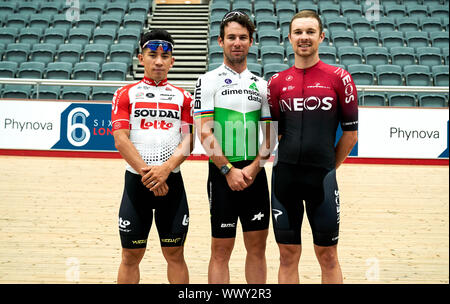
{"points": [[265, 110], [204, 98], [120, 113], [273, 96], [187, 112], [348, 102]]}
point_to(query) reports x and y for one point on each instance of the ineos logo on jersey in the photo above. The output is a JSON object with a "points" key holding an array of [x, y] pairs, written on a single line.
{"points": [[311, 103]]}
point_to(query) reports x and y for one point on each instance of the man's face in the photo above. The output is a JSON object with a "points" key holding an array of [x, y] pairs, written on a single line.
{"points": [[235, 44], [156, 63], [305, 36]]}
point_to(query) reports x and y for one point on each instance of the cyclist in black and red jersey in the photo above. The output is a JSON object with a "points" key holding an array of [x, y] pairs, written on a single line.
{"points": [[152, 125], [308, 101]]}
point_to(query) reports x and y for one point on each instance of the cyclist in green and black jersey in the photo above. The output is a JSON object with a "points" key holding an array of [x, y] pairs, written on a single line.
{"points": [[230, 104]]}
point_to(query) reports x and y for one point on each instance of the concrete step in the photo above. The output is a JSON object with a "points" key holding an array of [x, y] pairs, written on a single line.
{"points": [[183, 17], [178, 26]]}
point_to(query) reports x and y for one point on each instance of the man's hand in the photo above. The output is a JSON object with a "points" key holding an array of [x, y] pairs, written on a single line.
{"points": [[155, 178], [236, 179], [250, 172]]}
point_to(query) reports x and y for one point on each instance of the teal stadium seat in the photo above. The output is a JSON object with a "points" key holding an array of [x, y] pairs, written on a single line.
{"points": [[272, 54], [104, 36], [376, 55], [69, 52], [114, 71], [139, 7], [351, 10], [440, 75], [50, 8], [8, 7], [40, 21], [417, 10], [62, 22], [392, 39], [8, 69], [8, 35], [128, 36], [372, 99], [86, 71], [55, 36], [111, 20], [362, 74], [431, 100], [358, 24], [367, 38], [28, 7], [394, 10], [431, 24], [31, 69], [243, 6], [417, 75], [267, 23], [17, 52], [403, 56], [88, 21], [328, 54], [389, 75], [81, 36], [350, 55], [58, 70], [273, 68], [103, 93], [18, 21], [416, 39], [285, 11], [120, 7], [47, 92], [336, 23], [30, 35], [401, 100], [384, 24], [122, 52], [430, 56], [134, 21], [342, 38], [407, 24], [96, 52], [17, 91], [255, 68], [96, 7], [268, 37], [253, 54], [75, 93], [329, 9], [439, 39]]}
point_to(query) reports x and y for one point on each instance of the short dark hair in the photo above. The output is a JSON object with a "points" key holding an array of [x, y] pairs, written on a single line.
{"points": [[307, 14], [239, 17], [156, 34]]}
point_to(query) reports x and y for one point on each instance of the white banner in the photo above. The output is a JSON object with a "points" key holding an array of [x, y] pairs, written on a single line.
{"points": [[402, 132]]}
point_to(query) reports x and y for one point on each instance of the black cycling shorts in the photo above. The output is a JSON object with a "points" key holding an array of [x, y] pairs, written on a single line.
{"points": [[293, 184], [136, 213], [251, 205]]}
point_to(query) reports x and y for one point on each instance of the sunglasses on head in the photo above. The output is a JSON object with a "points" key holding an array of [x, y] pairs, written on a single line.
{"points": [[232, 14], [155, 44]]}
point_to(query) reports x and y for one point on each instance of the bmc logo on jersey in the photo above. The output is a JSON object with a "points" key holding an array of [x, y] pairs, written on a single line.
{"points": [[311, 103]]}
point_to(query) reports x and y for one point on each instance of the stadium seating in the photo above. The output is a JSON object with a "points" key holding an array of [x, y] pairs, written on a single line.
{"points": [[362, 74], [431, 100], [47, 92], [58, 70], [389, 75], [440, 75], [401, 100], [75, 93], [373, 99], [86, 70], [403, 56], [103, 93], [114, 71], [8, 69], [350, 55], [31, 69], [273, 68], [19, 91], [17, 52], [417, 75]]}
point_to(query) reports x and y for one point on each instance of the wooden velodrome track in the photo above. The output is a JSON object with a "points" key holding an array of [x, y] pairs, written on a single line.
{"points": [[58, 224]]}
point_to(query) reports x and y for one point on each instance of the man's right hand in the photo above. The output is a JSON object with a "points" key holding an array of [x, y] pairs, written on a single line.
{"points": [[236, 179]]}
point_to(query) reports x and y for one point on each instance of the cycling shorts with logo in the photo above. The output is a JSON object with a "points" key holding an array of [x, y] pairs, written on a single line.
{"points": [[251, 205], [136, 213], [317, 187]]}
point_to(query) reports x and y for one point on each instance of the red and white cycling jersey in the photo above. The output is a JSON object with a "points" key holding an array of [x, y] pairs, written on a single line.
{"points": [[156, 115]]}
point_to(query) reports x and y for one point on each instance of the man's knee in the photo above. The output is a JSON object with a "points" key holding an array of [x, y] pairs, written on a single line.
{"points": [[327, 257], [173, 254], [289, 254], [132, 257], [221, 249]]}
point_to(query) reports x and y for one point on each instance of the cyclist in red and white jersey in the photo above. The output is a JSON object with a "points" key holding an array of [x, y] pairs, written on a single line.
{"points": [[308, 101], [152, 125]]}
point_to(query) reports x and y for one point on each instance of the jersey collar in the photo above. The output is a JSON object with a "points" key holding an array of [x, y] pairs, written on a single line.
{"points": [[154, 83], [233, 71]]}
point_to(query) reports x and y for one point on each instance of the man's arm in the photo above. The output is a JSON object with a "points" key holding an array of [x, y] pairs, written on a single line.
{"points": [[345, 146], [235, 177], [159, 174], [131, 155]]}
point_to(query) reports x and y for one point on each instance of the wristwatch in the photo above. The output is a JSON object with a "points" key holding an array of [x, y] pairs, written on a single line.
{"points": [[226, 168]]}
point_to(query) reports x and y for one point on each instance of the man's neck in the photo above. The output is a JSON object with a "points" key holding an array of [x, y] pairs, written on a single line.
{"points": [[306, 62], [238, 67]]}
